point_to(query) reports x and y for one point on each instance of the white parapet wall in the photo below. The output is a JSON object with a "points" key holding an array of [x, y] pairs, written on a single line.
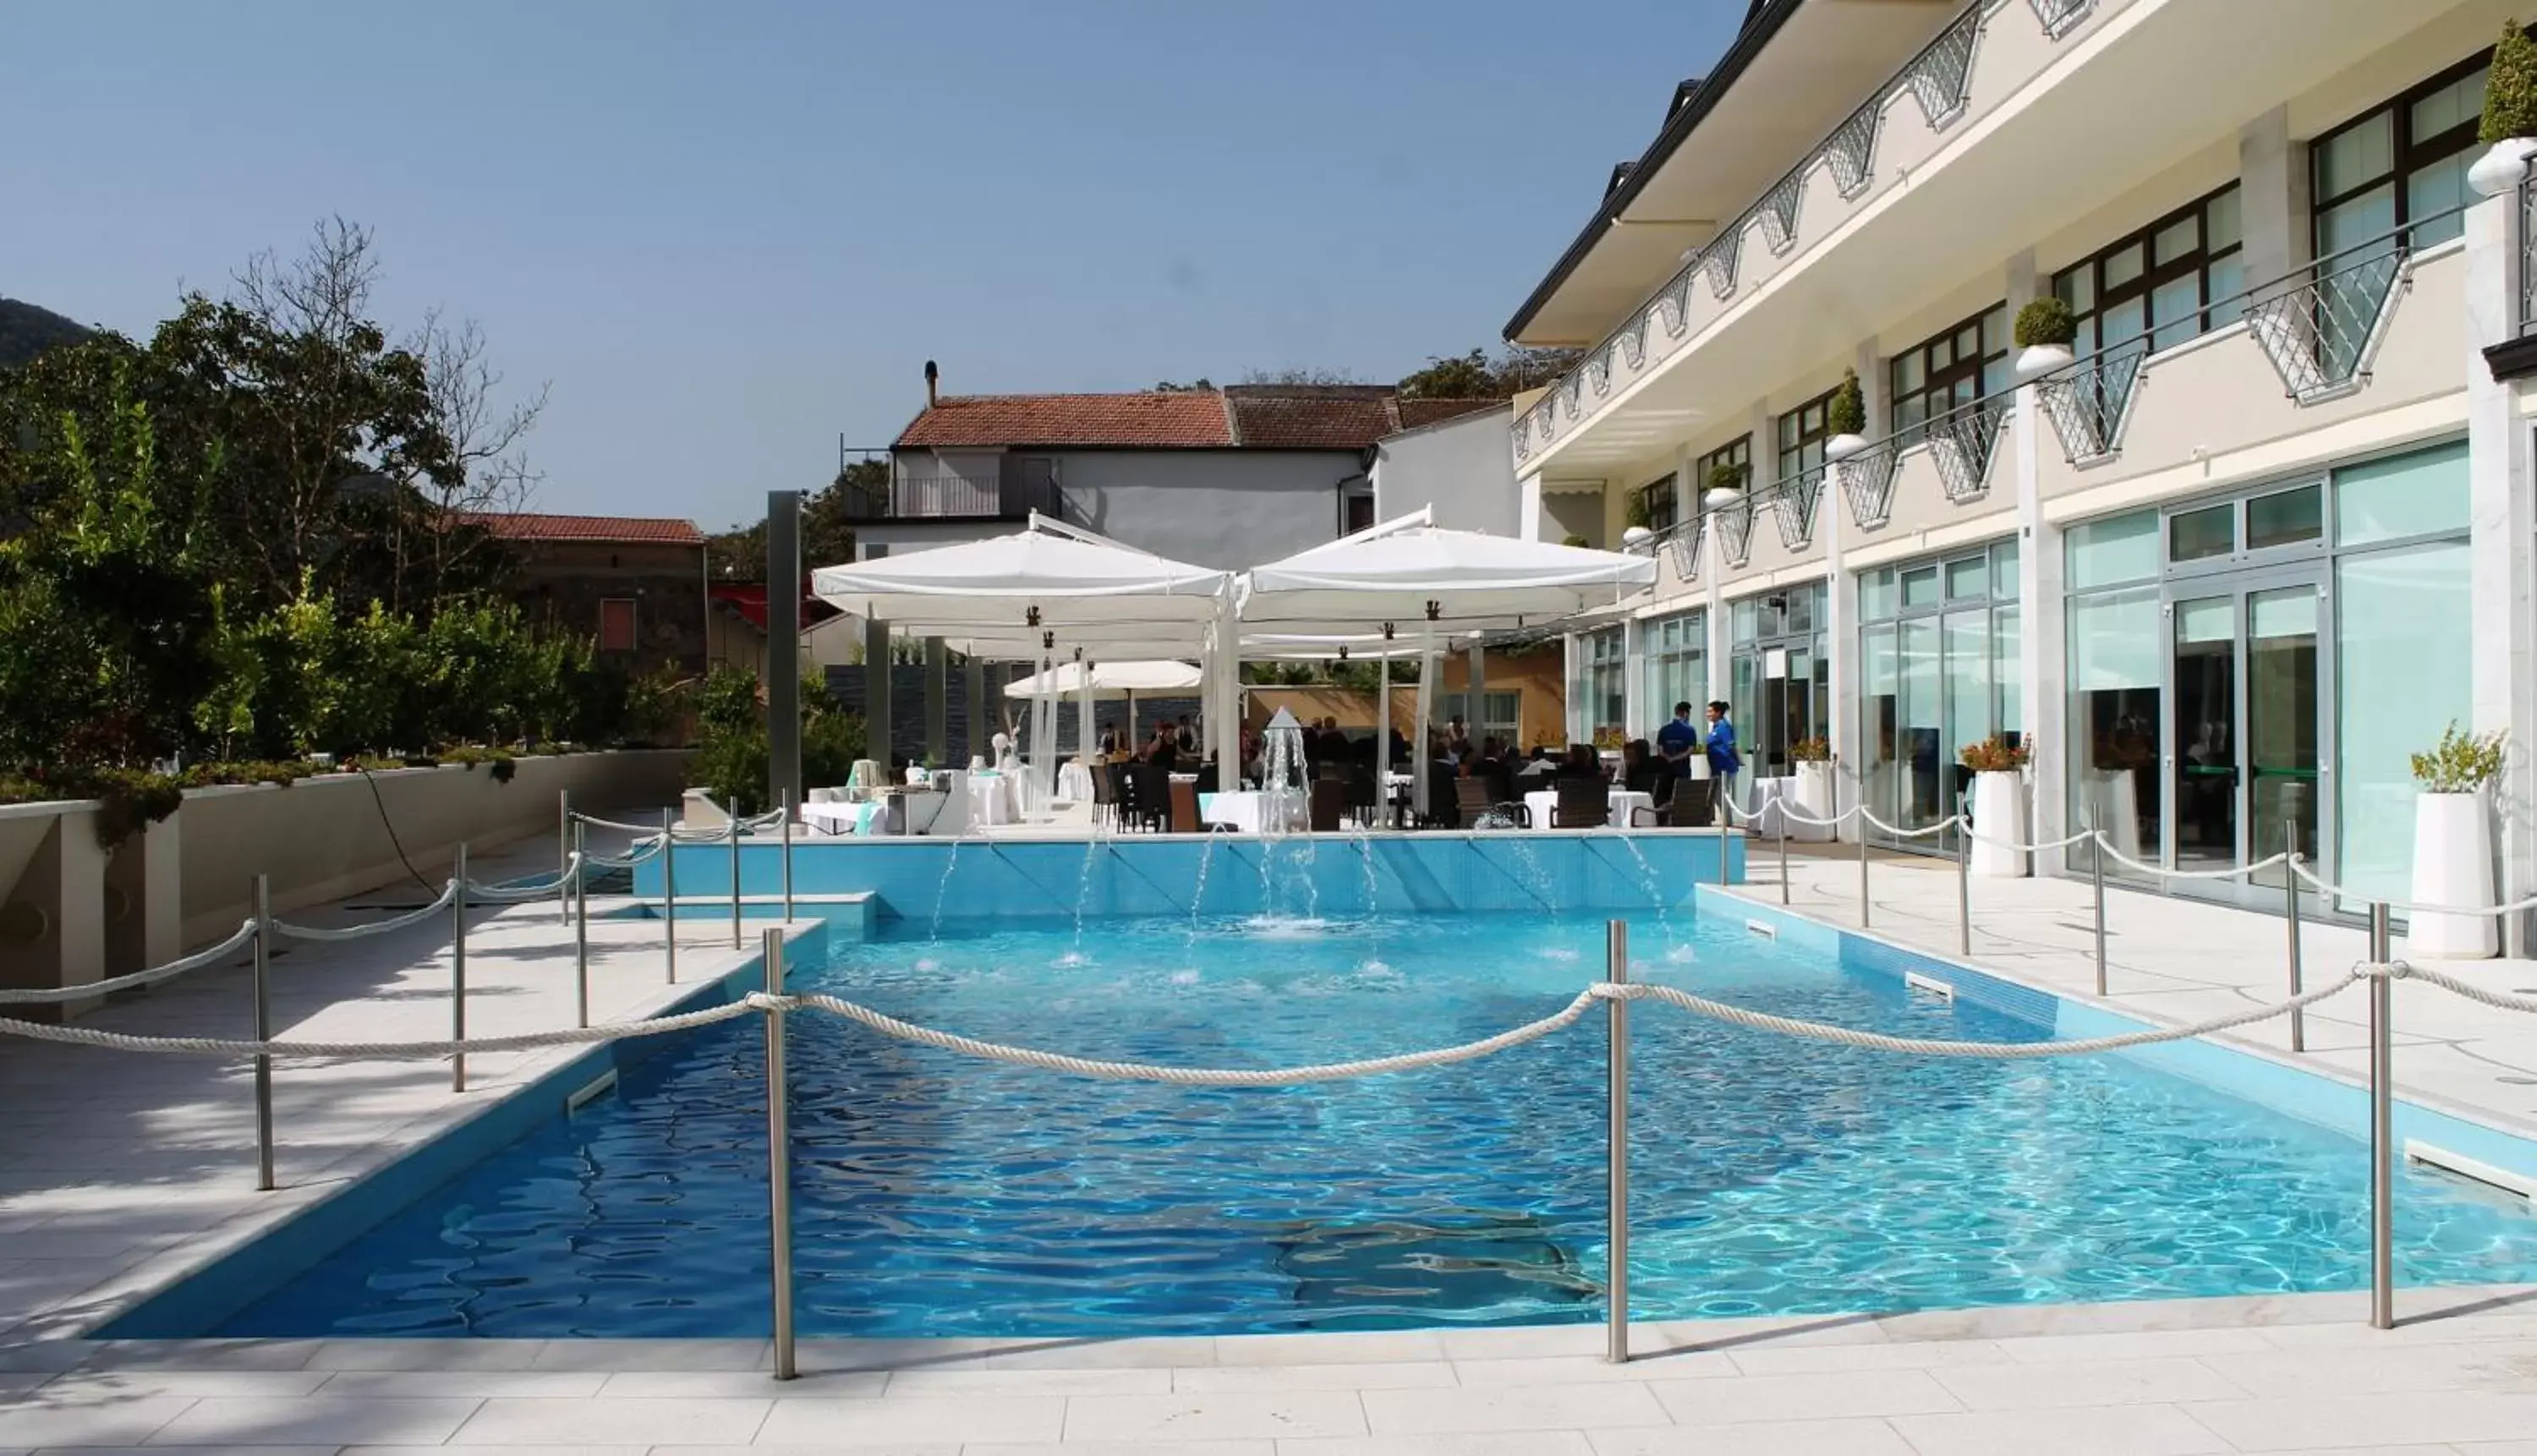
{"points": [[323, 839], [73, 911]]}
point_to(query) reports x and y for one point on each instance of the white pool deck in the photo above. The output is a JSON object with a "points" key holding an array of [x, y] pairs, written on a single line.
{"points": [[118, 1172]]}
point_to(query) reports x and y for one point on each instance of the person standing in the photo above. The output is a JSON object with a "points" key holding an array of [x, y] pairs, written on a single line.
{"points": [[1725, 763]]}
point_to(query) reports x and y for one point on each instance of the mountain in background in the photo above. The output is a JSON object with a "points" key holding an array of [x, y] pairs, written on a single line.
{"points": [[26, 331]]}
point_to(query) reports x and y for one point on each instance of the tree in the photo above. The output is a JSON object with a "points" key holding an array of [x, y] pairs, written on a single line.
{"points": [[1168, 386], [1296, 374], [828, 528], [1475, 375]]}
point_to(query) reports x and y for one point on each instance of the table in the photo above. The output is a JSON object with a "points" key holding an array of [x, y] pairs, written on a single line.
{"points": [[1622, 801], [1244, 810], [1074, 782], [840, 818], [994, 797]]}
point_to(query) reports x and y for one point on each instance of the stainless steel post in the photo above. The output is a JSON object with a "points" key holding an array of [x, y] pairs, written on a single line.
{"points": [[263, 1032], [779, 1161], [2097, 875], [1862, 870], [2290, 887], [580, 930], [564, 849], [734, 871], [1726, 827], [787, 804], [670, 898], [1616, 1148], [2382, 1138], [1784, 852], [458, 971], [1964, 882]]}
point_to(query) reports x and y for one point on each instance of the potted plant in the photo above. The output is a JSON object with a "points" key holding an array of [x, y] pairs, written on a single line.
{"points": [[2454, 844], [1846, 418], [2045, 332], [1634, 518], [1814, 795], [1572, 538], [2509, 128], [1998, 806], [1725, 486]]}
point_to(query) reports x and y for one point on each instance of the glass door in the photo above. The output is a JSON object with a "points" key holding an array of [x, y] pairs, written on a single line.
{"points": [[2245, 748]]}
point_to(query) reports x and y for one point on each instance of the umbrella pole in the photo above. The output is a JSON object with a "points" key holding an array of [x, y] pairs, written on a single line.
{"points": [[1383, 730]]}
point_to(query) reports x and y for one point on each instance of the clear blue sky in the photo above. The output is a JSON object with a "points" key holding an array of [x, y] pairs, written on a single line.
{"points": [[727, 233]]}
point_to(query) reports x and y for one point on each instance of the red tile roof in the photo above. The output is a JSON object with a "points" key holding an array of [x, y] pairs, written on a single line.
{"points": [[624, 529], [1248, 416], [1187, 419]]}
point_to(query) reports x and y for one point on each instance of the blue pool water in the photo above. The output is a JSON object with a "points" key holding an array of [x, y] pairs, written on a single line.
{"points": [[937, 1196]]}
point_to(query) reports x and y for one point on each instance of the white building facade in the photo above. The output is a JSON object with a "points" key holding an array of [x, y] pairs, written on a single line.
{"points": [[2260, 542]]}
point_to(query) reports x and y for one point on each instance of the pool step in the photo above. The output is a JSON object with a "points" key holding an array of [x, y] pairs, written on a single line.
{"points": [[2458, 1165], [591, 1092]]}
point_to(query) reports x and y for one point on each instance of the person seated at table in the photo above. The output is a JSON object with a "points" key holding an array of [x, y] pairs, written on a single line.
{"points": [[1400, 749], [1164, 747], [1637, 767], [1581, 763], [1458, 739]]}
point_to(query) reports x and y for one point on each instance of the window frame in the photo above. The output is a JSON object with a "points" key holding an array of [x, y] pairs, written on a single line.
{"points": [[2407, 153], [2154, 277], [1942, 380], [1792, 446], [1662, 498]]}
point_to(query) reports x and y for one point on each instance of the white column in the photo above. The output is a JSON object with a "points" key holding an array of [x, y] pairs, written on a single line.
{"points": [[1841, 641], [2272, 196], [1224, 715], [1528, 509], [1475, 681], [1634, 650], [2504, 522]]}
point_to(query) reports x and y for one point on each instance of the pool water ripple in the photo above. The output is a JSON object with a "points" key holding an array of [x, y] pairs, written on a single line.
{"points": [[938, 1195]]}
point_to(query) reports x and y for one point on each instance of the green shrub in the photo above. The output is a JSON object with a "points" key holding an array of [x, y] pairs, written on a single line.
{"points": [[2460, 763], [2511, 88], [1726, 475], [1572, 538], [2046, 320], [1847, 414], [1633, 510]]}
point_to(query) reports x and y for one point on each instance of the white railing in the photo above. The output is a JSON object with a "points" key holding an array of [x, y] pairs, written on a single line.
{"points": [[1936, 80]]}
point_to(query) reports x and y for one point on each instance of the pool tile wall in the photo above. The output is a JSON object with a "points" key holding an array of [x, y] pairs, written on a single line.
{"points": [[1149, 875]]}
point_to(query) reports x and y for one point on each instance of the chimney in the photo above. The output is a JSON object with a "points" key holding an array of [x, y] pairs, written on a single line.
{"points": [[931, 377]]}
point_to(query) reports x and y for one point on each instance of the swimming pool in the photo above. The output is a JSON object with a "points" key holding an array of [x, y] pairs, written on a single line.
{"points": [[936, 1196]]}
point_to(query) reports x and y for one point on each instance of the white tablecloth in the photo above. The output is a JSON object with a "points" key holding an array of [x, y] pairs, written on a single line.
{"points": [[1542, 802], [1245, 811], [1074, 782], [994, 799], [840, 818]]}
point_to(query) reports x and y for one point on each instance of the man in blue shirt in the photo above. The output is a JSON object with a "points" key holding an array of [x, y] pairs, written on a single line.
{"points": [[1725, 763], [1676, 743]]}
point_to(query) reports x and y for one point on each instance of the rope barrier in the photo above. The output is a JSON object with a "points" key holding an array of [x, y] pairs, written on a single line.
{"points": [[1133, 1071], [1924, 833], [601, 861], [2120, 857], [2323, 887], [385, 1050], [376, 927], [2500, 1000], [49, 995]]}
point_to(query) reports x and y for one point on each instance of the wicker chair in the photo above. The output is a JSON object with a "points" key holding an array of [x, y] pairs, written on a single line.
{"points": [[1105, 794], [1583, 804], [1329, 804], [1688, 808], [1147, 803], [1474, 799]]}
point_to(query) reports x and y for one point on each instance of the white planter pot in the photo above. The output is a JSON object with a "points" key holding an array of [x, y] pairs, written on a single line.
{"points": [[2500, 167], [1722, 497], [1814, 796], [2037, 361], [1842, 447], [2453, 865], [1999, 820]]}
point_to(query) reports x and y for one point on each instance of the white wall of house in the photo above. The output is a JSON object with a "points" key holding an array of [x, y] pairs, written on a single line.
{"points": [[1459, 468]]}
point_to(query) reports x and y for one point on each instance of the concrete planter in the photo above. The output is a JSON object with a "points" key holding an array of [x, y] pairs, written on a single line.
{"points": [[2039, 359], [1816, 796], [1999, 820], [2453, 865], [2502, 168]]}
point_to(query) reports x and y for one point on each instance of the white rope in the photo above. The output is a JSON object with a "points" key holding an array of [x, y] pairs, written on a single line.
{"points": [[2191, 874], [651, 829], [2501, 1001], [1813, 1031], [345, 1050], [50, 995], [2299, 867], [506, 893], [1938, 828], [601, 861], [1135, 1071], [448, 893]]}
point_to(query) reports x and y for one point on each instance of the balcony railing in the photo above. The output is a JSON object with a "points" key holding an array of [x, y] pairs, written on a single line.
{"points": [[1794, 502], [1964, 440], [2528, 254], [951, 499], [1937, 80], [1680, 543], [2090, 402]]}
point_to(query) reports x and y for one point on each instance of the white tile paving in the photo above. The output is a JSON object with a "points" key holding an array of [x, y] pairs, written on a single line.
{"points": [[145, 1174]]}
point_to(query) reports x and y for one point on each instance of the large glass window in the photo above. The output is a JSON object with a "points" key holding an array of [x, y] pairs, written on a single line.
{"points": [[2404, 619], [2175, 278], [2404, 162], [1965, 363], [1738, 452], [1780, 681], [1938, 644], [1678, 668], [2106, 553], [2422, 494], [1661, 500], [1600, 701], [2114, 713], [1803, 432]]}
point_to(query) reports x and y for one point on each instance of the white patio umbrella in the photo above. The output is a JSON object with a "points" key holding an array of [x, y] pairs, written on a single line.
{"points": [[1045, 590], [1109, 682], [1410, 583]]}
